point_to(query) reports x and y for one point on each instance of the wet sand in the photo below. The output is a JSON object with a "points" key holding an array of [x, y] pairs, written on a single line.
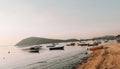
{"points": [[106, 58]]}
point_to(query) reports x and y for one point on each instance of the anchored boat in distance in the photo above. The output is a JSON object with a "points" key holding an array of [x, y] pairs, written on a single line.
{"points": [[35, 49], [57, 48]]}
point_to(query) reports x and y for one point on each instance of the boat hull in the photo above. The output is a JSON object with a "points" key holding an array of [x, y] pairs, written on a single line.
{"points": [[34, 50], [57, 48]]}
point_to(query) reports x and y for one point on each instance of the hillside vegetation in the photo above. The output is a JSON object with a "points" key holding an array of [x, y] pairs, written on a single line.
{"points": [[36, 41]]}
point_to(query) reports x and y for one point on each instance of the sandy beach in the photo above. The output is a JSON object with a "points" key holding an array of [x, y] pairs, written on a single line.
{"points": [[106, 58]]}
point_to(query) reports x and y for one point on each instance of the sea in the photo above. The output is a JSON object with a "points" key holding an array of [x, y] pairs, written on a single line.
{"points": [[13, 57]]}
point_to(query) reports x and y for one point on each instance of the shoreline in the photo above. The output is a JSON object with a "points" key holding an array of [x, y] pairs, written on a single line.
{"points": [[106, 58]]}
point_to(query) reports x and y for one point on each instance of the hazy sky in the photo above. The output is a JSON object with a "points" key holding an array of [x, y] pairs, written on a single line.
{"points": [[57, 19]]}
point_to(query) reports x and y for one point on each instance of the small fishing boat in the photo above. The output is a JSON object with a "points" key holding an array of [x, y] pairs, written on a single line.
{"points": [[34, 49], [57, 48], [71, 44], [82, 44], [94, 44]]}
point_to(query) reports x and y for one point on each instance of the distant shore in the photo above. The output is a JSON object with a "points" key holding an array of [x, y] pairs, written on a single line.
{"points": [[106, 58]]}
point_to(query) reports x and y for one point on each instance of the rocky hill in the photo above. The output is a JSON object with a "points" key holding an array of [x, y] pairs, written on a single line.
{"points": [[37, 40]]}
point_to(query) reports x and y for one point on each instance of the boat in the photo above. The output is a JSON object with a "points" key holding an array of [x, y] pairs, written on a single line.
{"points": [[57, 48], [94, 44], [71, 44], [82, 44], [96, 48], [34, 49]]}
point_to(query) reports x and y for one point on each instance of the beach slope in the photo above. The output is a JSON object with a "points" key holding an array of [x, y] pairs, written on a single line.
{"points": [[106, 58]]}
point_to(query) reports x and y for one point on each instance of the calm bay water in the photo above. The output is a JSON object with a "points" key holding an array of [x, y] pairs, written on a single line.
{"points": [[20, 59]]}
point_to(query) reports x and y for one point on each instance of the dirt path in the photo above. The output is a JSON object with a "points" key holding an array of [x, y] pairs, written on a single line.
{"points": [[104, 58]]}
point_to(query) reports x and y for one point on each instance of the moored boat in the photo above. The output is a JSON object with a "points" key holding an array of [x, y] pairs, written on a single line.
{"points": [[34, 49], [82, 44], [71, 44], [57, 48]]}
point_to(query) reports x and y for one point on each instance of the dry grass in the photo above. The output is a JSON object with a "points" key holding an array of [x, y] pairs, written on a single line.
{"points": [[106, 58]]}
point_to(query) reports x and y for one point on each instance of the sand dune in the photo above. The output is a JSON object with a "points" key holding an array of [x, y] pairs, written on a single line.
{"points": [[106, 58]]}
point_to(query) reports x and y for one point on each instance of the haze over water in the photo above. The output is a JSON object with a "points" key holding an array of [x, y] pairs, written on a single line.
{"points": [[57, 19]]}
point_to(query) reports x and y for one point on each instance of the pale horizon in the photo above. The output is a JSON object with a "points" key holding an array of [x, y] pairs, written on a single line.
{"points": [[58, 19]]}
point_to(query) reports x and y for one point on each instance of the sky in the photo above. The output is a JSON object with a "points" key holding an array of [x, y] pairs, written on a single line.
{"points": [[60, 19]]}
